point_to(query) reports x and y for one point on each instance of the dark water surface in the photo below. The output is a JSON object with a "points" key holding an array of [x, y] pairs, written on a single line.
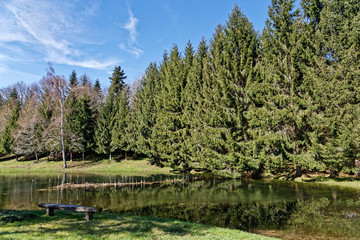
{"points": [[309, 209]]}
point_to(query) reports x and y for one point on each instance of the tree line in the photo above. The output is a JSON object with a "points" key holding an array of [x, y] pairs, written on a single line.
{"points": [[283, 101]]}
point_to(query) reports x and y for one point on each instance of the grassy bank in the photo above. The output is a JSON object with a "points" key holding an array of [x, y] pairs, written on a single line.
{"points": [[94, 165], [342, 181], [69, 225]]}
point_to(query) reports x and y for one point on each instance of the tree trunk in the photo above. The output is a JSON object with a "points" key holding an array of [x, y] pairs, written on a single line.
{"points": [[298, 171], [83, 156], [110, 156], [332, 173], [17, 158], [125, 156], [36, 157], [71, 157], [48, 157], [62, 131]]}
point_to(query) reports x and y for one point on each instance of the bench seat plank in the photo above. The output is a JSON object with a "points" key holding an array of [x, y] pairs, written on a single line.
{"points": [[75, 208], [50, 207]]}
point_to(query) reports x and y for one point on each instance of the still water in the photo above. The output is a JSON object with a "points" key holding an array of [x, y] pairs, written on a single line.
{"points": [[304, 208]]}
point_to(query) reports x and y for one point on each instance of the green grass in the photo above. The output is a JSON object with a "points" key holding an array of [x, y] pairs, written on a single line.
{"points": [[348, 182], [131, 167], [70, 225]]}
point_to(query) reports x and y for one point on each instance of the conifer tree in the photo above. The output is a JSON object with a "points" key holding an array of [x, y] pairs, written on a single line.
{"points": [[97, 86], [193, 97], [103, 130], [82, 125], [119, 137], [103, 133], [336, 77], [286, 104], [168, 128], [233, 53], [73, 81], [145, 112], [7, 140]]}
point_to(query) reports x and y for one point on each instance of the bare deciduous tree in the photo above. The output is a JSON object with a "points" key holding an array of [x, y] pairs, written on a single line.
{"points": [[58, 89]]}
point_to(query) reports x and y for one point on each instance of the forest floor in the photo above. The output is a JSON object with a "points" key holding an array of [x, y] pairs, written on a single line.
{"points": [[69, 225], [9, 165]]}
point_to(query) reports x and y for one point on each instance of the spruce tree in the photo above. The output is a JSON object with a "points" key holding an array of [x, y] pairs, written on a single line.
{"points": [[97, 86], [82, 124], [103, 133], [193, 96], [167, 134], [73, 81], [7, 140], [287, 105], [145, 111], [337, 82], [233, 52], [119, 137]]}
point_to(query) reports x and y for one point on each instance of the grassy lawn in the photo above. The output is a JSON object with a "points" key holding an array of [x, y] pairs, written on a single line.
{"points": [[9, 165], [69, 225]]}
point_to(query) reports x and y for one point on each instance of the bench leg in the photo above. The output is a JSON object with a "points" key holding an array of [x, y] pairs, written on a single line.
{"points": [[49, 211], [89, 216]]}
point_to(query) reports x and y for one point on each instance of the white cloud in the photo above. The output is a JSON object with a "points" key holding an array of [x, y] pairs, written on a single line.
{"points": [[49, 28], [131, 45], [131, 26], [131, 49]]}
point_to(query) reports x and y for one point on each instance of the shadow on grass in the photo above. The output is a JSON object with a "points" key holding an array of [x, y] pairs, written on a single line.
{"points": [[104, 224], [7, 158]]}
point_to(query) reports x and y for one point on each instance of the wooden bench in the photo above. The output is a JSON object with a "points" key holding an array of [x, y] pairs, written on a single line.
{"points": [[50, 207]]}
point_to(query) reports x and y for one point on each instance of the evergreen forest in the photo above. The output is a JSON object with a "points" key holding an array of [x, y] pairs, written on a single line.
{"points": [[282, 101]]}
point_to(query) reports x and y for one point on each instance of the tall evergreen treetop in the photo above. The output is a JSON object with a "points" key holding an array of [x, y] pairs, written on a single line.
{"points": [[73, 80], [117, 82], [97, 86]]}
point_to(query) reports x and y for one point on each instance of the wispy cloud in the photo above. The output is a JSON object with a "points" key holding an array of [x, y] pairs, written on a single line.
{"points": [[131, 26], [131, 45], [51, 28], [137, 52]]}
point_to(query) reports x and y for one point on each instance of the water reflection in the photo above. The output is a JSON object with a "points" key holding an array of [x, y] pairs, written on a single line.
{"points": [[246, 205]]}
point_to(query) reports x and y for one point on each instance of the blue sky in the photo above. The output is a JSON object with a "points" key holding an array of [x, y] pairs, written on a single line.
{"points": [[93, 36]]}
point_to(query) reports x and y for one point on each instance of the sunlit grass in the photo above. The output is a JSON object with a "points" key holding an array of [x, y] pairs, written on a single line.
{"points": [[69, 225], [348, 182], [90, 165]]}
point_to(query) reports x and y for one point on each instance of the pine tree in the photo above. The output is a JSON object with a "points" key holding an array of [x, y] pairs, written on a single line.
{"points": [[193, 96], [167, 134], [145, 111], [103, 130], [117, 82], [287, 103], [97, 86], [82, 125], [7, 140], [120, 138], [73, 81], [233, 53], [103, 133], [336, 76]]}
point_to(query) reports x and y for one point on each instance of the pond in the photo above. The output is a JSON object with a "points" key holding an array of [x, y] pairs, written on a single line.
{"points": [[307, 209]]}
